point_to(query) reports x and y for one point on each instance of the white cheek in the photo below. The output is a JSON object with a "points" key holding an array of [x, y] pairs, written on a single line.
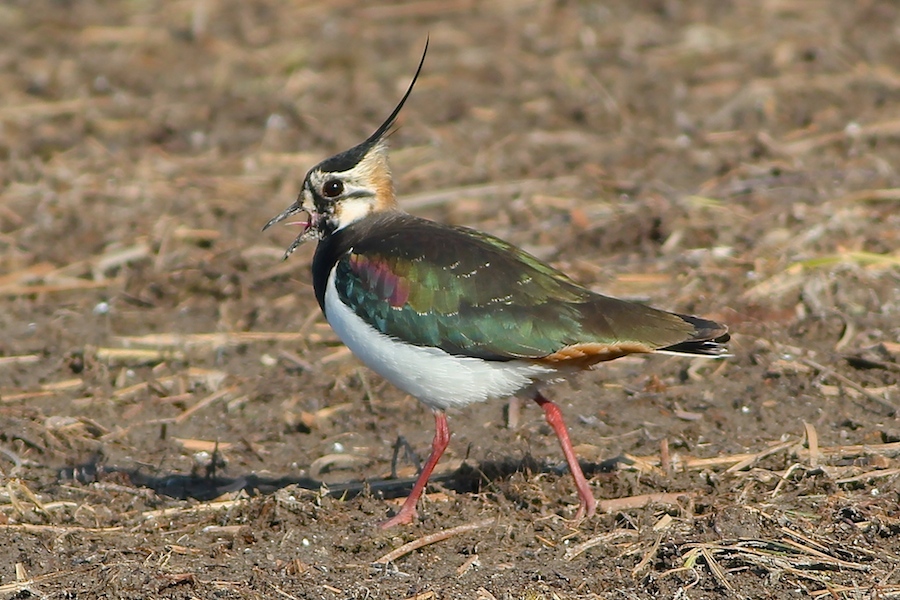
{"points": [[352, 209]]}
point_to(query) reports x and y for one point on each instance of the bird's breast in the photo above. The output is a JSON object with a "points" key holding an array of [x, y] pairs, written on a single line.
{"points": [[437, 378]]}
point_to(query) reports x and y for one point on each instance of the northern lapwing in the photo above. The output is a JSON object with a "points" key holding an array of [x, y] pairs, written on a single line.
{"points": [[453, 316]]}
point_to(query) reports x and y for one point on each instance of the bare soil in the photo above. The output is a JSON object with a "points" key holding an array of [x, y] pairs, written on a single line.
{"points": [[177, 420]]}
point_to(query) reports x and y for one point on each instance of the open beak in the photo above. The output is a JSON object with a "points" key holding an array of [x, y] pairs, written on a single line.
{"points": [[290, 211], [308, 225]]}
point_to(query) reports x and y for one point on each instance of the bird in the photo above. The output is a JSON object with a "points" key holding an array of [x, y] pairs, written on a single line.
{"points": [[453, 316]]}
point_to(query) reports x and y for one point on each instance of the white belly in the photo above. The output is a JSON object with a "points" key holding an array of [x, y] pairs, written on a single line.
{"points": [[438, 379]]}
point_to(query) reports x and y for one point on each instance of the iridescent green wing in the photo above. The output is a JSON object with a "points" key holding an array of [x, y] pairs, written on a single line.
{"points": [[472, 294]]}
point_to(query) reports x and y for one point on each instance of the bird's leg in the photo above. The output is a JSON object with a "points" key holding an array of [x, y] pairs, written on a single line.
{"points": [[438, 445], [588, 504], [513, 412]]}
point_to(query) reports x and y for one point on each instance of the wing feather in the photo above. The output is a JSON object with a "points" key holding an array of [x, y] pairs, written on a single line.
{"points": [[472, 294]]}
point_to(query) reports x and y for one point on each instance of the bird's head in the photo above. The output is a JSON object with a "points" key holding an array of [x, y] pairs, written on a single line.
{"points": [[348, 186]]}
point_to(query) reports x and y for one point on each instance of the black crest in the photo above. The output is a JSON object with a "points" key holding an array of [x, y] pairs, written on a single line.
{"points": [[348, 159]]}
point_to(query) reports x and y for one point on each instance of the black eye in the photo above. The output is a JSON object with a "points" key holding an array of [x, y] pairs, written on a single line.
{"points": [[332, 188]]}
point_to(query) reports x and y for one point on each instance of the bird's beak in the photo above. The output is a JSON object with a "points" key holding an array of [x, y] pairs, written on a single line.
{"points": [[290, 211], [309, 225]]}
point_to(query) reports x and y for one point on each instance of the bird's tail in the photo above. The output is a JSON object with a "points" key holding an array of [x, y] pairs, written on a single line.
{"points": [[709, 340]]}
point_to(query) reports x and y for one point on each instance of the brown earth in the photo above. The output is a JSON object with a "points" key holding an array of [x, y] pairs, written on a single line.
{"points": [[172, 404]]}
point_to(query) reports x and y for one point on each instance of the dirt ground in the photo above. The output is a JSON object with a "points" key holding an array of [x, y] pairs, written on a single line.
{"points": [[178, 421]]}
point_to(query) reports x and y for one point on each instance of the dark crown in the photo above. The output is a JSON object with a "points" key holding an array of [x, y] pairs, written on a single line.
{"points": [[348, 159]]}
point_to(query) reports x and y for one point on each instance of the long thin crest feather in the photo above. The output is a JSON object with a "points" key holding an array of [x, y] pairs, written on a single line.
{"points": [[379, 133], [348, 159]]}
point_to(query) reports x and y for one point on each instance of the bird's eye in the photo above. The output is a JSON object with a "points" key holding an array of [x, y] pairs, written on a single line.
{"points": [[332, 188]]}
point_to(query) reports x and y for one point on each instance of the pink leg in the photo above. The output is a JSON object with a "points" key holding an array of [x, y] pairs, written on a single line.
{"points": [[588, 504], [438, 445]]}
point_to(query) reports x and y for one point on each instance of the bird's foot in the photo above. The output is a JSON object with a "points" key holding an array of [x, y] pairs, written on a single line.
{"points": [[404, 517], [441, 438], [586, 507]]}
